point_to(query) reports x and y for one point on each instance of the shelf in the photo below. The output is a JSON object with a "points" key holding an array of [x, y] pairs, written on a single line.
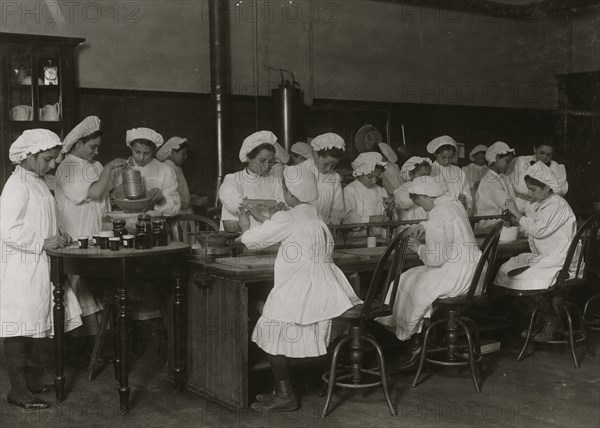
{"points": [[21, 125]]}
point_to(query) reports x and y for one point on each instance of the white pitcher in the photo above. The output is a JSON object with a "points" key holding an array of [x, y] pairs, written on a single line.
{"points": [[50, 112]]}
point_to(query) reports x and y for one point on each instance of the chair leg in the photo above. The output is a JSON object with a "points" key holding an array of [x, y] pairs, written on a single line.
{"points": [[528, 337], [332, 369], [428, 331], [477, 340], [571, 337], [471, 353], [106, 317], [587, 304], [382, 373], [581, 322]]}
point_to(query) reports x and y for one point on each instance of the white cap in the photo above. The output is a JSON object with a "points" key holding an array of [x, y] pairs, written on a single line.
{"points": [[365, 163], [143, 134], [30, 142], [496, 149], [254, 140], [86, 127], [438, 142]]}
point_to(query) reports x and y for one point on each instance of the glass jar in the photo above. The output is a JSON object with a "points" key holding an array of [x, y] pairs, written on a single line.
{"points": [[146, 218], [119, 228], [159, 233], [143, 237]]}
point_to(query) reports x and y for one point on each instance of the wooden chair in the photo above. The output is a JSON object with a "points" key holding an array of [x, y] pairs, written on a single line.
{"points": [[580, 255], [182, 225], [455, 321], [359, 316]]}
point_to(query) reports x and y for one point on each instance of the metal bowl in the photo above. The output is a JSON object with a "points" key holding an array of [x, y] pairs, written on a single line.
{"points": [[135, 206]]}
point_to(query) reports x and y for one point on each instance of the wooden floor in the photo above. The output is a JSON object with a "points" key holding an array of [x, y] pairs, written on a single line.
{"points": [[543, 390]]}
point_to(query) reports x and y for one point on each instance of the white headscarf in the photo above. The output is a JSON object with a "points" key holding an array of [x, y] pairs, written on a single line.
{"points": [[438, 142], [410, 165], [543, 173], [388, 152], [30, 142], [252, 141], [172, 143], [88, 126], [365, 163], [302, 149], [477, 149], [328, 140], [498, 148], [143, 134], [426, 185], [301, 183]]}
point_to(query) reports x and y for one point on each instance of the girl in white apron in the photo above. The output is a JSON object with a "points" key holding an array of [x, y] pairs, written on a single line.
{"points": [[309, 288], [450, 255], [28, 228], [550, 225], [444, 148], [256, 184], [405, 207]]}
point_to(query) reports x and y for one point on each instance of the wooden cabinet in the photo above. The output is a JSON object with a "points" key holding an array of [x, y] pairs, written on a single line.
{"points": [[37, 87]]}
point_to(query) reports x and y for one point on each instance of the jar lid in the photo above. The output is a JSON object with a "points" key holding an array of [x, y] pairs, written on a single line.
{"points": [[157, 222], [144, 217], [119, 222]]}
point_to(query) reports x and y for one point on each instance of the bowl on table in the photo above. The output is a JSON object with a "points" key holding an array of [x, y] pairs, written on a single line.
{"points": [[509, 233], [135, 205]]}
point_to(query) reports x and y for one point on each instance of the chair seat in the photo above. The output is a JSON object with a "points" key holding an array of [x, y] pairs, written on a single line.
{"points": [[522, 293], [356, 312]]}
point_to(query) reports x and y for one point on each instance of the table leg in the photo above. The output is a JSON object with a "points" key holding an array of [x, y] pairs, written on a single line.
{"points": [[122, 334], [178, 315], [115, 322], [58, 278]]}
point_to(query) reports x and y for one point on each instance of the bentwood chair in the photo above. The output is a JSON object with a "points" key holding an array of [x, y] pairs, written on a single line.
{"points": [[385, 281], [579, 268], [182, 225], [452, 354]]}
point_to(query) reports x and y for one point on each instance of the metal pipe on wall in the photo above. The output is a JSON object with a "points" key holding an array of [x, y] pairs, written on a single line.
{"points": [[218, 26]]}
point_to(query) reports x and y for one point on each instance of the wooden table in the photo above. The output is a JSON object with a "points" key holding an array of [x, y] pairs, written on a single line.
{"points": [[218, 326], [119, 266]]}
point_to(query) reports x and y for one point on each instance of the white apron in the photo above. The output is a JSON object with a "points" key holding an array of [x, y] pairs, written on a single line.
{"points": [[182, 186], [473, 174], [245, 184], [450, 255], [454, 179], [78, 215], [330, 203], [406, 208], [309, 289], [27, 218], [551, 226]]}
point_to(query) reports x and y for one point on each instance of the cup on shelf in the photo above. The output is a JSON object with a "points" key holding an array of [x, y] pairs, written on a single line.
{"points": [[21, 113]]}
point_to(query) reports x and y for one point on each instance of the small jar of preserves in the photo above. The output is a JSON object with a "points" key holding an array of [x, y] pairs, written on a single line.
{"points": [[119, 228], [143, 237], [159, 233]]}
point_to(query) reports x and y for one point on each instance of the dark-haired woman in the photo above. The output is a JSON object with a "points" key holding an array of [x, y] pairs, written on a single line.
{"points": [[255, 184], [328, 150]]}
